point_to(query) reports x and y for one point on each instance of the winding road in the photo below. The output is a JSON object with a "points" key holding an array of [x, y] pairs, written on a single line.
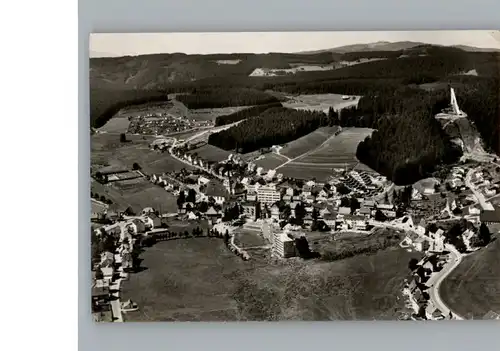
{"points": [[435, 281]]}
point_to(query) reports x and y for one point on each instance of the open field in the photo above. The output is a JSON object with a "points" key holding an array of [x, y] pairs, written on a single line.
{"points": [[228, 62], [212, 153], [199, 279], [139, 196], [308, 142], [116, 125], [249, 238], [319, 102], [336, 152], [210, 114], [304, 67], [473, 288], [107, 149], [270, 161]]}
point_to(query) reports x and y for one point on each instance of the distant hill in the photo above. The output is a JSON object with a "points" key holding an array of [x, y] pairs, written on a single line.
{"points": [[474, 49], [388, 46], [378, 46]]}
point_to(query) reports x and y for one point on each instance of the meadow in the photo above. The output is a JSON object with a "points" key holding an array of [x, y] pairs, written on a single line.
{"points": [[336, 152], [199, 279], [210, 114], [270, 161], [473, 288], [308, 142], [211, 153], [320, 102]]}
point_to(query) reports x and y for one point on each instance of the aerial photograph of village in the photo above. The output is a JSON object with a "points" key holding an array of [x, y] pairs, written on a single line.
{"points": [[314, 176]]}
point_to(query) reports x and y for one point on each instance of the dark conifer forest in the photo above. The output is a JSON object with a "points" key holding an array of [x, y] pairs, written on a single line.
{"points": [[274, 126]]}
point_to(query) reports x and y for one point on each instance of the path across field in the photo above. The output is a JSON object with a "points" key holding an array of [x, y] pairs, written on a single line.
{"points": [[338, 151]]}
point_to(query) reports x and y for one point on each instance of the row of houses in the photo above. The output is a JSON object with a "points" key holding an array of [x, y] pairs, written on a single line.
{"points": [[416, 288]]}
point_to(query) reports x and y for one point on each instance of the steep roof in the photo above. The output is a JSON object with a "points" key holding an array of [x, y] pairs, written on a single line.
{"points": [[212, 211], [215, 188]]}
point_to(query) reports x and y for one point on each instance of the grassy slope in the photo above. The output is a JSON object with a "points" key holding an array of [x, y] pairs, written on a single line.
{"points": [[472, 289], [199, 279], [308, 142]]}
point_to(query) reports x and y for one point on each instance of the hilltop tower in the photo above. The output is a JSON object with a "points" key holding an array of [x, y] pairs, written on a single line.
{"points": [[454, 103]]}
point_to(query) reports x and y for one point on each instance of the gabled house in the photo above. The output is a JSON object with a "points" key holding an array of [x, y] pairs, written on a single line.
{"points": [[203, 181], [308, 220], [192, 216], [213, 215], [330, 219], [365, 212], [239, 190], [214, 189]]}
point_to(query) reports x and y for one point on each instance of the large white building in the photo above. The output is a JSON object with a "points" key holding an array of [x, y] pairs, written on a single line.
{"points": [[268, 194], [283, 246]]}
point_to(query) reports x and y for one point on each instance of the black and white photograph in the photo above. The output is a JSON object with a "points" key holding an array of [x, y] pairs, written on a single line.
{"points": [[295, 176]]}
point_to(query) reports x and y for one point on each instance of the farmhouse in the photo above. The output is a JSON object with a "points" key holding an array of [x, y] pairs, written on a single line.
{"points": [[213, 215], [217, 191]]}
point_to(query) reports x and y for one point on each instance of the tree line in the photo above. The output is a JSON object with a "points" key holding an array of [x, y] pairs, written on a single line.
{"points": [[246, 113]]}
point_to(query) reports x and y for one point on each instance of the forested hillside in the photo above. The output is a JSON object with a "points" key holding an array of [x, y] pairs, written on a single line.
{"points": [[220, 97], [243, 114], [275, 126]]}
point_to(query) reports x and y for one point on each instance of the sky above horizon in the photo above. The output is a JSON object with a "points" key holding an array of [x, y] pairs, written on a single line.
{"points": [[122, 44]]}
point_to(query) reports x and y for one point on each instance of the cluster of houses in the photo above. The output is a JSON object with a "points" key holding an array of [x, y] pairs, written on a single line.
{"points": [[277, 200], [163, 123], [416, 288]]}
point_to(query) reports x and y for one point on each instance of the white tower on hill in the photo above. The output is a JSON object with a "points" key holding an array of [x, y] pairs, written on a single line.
{"points": [[454, 103]]}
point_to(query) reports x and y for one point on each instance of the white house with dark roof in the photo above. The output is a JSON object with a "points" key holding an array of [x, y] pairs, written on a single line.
{"points": [[214, 189]]}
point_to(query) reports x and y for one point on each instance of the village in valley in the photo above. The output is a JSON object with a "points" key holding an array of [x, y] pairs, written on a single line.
{"points": [[271, 214]]}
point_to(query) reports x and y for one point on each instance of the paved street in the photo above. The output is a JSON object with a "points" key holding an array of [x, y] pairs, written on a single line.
{"points": [[436, 279]]}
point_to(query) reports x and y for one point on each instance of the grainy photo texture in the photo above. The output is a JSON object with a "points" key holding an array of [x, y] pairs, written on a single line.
{"points": [[295, 176]]}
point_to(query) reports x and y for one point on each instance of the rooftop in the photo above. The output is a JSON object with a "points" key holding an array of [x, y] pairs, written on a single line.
{"points": [[215, 188], [491, 216]]}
